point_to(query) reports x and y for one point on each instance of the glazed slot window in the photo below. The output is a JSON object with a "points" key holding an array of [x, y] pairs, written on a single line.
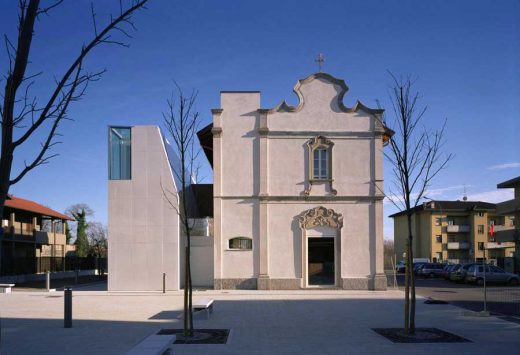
{"points": [[240, 243]]}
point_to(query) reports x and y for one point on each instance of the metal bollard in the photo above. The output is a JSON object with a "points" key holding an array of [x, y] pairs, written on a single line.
{"points": [[164, 282], [48, 280], [67, 317]]}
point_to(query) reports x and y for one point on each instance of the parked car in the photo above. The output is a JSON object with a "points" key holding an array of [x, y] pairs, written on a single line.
{"points": [[400, 267], [459, 274], [446, 271], [417, 266], [493, 274], [430, 270]]}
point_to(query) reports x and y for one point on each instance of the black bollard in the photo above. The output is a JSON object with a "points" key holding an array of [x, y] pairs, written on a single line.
{"points": [[67, 318], [164, 282]]}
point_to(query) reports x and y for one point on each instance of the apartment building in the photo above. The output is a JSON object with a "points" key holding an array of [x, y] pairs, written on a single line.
{"points": [[30, 231], [455, 231], [510, 210]]}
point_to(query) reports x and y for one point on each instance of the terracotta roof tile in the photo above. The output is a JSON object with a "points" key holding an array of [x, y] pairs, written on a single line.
{"points": [[31, 206]]}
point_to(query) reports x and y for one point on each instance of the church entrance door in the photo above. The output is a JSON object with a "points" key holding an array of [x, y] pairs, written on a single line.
{"points": [[321, 261]]}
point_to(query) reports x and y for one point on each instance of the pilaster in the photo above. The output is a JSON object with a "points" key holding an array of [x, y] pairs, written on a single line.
{"points": [[217, 192], [263, 277]]}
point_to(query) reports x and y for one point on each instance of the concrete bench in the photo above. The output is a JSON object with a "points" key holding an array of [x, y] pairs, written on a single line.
{"points": [[6, 288], [203, 304], [153, 345]]}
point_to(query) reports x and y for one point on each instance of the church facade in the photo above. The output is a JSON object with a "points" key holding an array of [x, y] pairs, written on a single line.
{"points": [[298, 190]]}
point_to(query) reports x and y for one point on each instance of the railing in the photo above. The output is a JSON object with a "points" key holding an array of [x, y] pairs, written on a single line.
{"points": [[499, 245], [506, 235], [458, 245], [461, 228], [23, 266], [200, 227], [508, 207]]}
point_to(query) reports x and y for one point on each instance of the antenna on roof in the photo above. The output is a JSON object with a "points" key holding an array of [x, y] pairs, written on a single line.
{"points": [[465, 198]]}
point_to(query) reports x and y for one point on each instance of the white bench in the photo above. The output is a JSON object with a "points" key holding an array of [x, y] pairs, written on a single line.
{"points": [[203, 304], [6, 288]]}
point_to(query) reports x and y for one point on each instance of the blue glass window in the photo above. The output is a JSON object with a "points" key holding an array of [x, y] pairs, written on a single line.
{"points": [[120, 154]]}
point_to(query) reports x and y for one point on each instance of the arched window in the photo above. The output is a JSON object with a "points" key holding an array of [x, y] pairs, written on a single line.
{"points": [[241, 243]]}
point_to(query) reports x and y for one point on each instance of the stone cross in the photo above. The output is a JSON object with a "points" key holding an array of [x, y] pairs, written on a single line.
{"points": [[320, 60]]}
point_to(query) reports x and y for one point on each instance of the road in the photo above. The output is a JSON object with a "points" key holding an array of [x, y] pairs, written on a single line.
{"points": [[501, 300]]}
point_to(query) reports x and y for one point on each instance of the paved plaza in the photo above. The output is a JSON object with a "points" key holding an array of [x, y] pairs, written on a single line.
{"points": [[282, 322]]}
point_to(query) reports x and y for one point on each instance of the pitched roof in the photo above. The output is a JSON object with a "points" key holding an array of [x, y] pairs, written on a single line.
{"points": [[31, 206], [450, 206]]}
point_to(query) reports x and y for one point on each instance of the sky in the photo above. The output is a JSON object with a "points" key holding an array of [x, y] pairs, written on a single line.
{"points": [[464, 57]]}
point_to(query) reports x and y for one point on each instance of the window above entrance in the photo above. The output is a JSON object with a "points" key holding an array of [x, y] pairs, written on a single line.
{"points": [[319, 162]]}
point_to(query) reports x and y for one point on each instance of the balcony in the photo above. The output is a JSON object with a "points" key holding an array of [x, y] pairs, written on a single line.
{"points": [[500, 245], [460, 228], [506, 235], [509, 207], [458, 245], [49, 238]]}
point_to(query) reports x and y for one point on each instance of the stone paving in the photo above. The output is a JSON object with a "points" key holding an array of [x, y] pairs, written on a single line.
{"points": [[277, 322]]}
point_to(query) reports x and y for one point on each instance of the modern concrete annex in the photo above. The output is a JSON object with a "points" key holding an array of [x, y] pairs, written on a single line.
{"points": [[297, 196]]}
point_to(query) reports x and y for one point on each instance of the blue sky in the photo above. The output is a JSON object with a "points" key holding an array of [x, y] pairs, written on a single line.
{"points": [[465, 56]]}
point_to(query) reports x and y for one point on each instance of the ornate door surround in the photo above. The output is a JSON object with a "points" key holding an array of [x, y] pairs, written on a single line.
{"points": [[312, 219]]}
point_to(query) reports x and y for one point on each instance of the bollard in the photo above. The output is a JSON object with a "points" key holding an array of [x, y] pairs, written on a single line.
{"points": [[164, 282], [48, 280], [67, 316]]}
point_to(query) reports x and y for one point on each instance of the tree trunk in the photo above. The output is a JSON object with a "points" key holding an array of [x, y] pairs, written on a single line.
{"points": [[5, 167], [190, 289], [407, 289], [186, 286], [411, 329]]}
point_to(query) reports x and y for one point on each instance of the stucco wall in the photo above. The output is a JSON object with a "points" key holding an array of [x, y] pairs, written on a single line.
{"points": [[261, 172], [143, 229]]}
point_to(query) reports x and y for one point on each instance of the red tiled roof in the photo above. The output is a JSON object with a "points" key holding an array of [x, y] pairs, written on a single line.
{"points": [[31, 206]]}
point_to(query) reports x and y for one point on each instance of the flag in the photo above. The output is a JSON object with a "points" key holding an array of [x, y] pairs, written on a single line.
{"points": [[491, 229]]}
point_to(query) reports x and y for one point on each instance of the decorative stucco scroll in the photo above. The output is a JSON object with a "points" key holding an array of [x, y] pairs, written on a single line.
{"points": [[358, 106], [320, 216]]}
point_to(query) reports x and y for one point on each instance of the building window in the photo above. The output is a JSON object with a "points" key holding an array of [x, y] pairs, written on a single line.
{"points": [[438, 238], [241, 243], [480, 229], [439, 256], [320, 166], [481, 214], [320, 154], [120, 153], [451, 222], [480, 246], [437, 221]]}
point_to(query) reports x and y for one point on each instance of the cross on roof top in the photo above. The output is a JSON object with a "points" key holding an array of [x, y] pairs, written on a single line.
{"points": [[320, 60]]}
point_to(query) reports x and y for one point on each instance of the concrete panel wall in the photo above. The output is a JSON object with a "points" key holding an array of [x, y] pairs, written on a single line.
{"points": [[143, 229]]}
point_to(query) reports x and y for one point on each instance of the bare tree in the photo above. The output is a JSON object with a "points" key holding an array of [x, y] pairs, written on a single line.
{"points": [[79, 212], [97, 239], [22, 116], [182, 123], [416, 157]]}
